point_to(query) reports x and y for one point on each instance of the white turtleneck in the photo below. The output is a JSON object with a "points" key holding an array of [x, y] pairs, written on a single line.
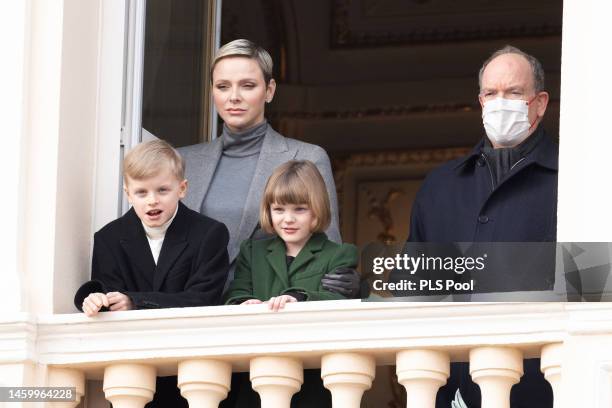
{"points": [[156, 235]]}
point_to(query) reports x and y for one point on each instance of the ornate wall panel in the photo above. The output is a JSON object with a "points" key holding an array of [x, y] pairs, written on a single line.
{"points": [[385, 22], [376, 191]]}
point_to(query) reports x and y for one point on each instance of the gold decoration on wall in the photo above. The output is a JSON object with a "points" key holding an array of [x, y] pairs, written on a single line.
{"points": [[380, 210], [390, 159]]}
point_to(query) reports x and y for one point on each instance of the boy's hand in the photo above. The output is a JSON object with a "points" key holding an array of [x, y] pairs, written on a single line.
{"points": [[278, 302], [119, 301], [94, 302], [251, 302]]}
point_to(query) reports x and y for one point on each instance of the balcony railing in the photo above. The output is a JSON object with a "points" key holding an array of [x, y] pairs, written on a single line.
{"points": [[346, 339]]}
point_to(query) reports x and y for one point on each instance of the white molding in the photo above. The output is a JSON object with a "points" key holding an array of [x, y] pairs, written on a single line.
{"points": [[308, 330], [589, 318], [17, 339], [313, 328]]}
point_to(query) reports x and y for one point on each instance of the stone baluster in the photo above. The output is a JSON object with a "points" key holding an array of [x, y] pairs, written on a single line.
{"points": [[347, 376], [496, 370], [204, 383], [276, 379], [66, 377], [422, 373], [129, 385], [550, 364]]}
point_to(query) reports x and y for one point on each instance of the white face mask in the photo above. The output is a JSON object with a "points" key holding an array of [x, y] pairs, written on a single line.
{"points": [[506, 121]]}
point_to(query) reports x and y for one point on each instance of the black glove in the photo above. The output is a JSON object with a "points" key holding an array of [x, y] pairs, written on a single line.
{"points": [[344, 281]]}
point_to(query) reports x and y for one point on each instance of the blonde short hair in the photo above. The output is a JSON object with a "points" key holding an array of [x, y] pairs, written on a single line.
{"points": [[148, 159], [245, 48], [296, 182]]}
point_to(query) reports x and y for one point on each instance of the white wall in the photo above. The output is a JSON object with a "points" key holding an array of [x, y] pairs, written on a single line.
{"points": [[61, 120], [76, 153], [62, 81], [585, 129], [13, 36]]}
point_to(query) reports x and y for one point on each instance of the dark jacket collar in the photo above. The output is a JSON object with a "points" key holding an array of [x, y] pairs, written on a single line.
{"points": [[134, 241], [545, 153], [133, 229]]}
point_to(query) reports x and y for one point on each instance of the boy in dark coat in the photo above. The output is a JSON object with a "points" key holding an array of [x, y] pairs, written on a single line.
{"points": [[160, 253]]}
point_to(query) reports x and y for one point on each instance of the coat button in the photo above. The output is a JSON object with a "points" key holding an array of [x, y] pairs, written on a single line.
{"points": [[480, 162], [483, 219]]}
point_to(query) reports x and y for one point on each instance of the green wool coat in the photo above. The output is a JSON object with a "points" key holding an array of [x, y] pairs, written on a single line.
{"points": [[261, 268]]}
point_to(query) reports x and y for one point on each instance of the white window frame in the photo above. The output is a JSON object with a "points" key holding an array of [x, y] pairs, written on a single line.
{"points": [[120, 116], [131, 134]]}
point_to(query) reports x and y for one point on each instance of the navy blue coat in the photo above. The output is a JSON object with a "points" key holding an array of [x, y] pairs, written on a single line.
{"points": [[458, 203]]}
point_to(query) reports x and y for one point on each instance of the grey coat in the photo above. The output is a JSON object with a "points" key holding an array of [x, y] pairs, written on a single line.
{"points": [[201, 162]]}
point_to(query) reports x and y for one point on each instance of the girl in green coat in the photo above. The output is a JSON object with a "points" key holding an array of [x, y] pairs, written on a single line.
{"points": [[289, 267]]}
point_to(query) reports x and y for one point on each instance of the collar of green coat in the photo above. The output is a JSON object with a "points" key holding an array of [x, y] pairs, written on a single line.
{"points": [[277, 255]]}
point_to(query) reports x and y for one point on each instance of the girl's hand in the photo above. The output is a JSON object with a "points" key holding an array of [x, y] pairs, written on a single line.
{"points": [[278, 302], [251, 302], [119, 301], [94, 302]]}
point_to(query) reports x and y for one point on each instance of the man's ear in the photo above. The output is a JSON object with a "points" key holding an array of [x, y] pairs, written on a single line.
{"points": [[542, 99], [480, 101]]}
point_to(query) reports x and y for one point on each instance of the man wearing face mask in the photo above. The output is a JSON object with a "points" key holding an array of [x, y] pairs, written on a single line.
{"points": [[505, 190]]}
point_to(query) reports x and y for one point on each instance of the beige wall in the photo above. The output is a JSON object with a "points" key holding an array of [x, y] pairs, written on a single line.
{"points": [[13, 33], [60, 134], [585, 142], [64, 71], [77, 132], [41, 135]]}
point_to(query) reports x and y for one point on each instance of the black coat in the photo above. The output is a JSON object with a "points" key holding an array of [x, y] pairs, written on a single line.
{"points": [[457, 203], [191, 269]]}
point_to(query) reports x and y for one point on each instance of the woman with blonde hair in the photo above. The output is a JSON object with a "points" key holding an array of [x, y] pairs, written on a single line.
{"points": [[227, 176]]}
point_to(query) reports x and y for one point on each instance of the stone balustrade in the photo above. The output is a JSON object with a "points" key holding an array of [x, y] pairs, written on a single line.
{"points": [[204, 383], [346, 340]]}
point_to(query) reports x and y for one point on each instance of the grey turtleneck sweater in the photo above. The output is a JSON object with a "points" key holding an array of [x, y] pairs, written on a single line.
{"points": [[502, 160], [227, 194]]}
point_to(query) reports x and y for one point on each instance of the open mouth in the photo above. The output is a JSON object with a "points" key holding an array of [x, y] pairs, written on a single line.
{"points": [[154, 213]]}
